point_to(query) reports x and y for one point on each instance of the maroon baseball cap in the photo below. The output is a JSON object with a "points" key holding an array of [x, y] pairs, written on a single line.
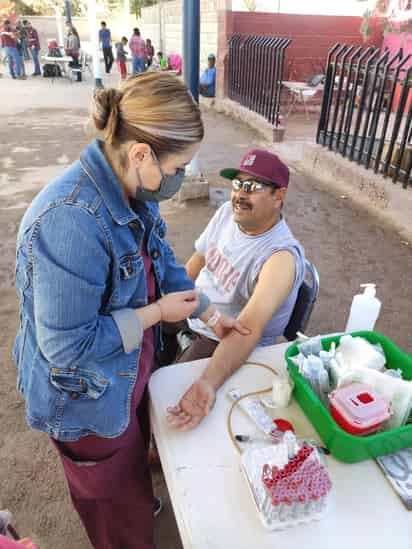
{"points": [[262, 165]]}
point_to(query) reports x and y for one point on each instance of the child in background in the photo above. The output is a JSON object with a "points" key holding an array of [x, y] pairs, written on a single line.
{"points": [[121, 57], [150, 51], [162, 61]]}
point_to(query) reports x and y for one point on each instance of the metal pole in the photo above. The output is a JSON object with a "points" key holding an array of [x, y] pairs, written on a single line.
{"points": [[94, 42], [68, 11], [191, 57], [161, 44], [59, 25], [191, 46], [126, 8]]}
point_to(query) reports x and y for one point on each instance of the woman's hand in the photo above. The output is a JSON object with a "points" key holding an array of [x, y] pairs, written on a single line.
{"points": [[226, 324], [222, 324], [194, 405], [178, 305]]}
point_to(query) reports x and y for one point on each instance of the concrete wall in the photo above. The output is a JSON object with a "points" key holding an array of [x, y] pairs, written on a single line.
{"points": [[164, 25], [47, 27], [312, 36]]}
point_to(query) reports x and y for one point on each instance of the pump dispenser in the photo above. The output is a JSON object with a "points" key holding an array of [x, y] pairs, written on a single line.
{"points": [[364, 311]]}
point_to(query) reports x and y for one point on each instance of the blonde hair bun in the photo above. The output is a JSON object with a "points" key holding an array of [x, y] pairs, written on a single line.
{"points": [[154, 108], [106, 112]]}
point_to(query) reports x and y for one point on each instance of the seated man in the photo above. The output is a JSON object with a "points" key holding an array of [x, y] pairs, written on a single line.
{"points": [[251, 267], [207, 86]]}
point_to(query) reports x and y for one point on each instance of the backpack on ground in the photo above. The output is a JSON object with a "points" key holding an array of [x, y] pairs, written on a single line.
{"points": [[50, 70]]}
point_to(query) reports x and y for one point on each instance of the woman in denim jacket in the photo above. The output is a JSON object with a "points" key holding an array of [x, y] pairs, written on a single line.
{"points": [[95, 276]]}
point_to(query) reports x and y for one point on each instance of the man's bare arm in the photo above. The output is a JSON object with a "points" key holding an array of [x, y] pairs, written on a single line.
{"points": [[194, 265], [275, 283]]}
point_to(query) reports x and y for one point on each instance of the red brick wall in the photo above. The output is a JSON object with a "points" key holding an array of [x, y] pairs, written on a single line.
{"points": [[312, 36]]}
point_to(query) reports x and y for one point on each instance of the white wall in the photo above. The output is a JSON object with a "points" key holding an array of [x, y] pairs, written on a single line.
{"points": [[164, 25], [47, 27]]}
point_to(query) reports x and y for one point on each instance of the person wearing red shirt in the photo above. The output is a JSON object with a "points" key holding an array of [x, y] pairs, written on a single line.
{"points": [[138, 50], [9, 43], [33, 42]]}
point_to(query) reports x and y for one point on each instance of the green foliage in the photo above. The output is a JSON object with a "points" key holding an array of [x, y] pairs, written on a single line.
{"points": [[46, 7], [365, 28], [113, 6], [136, 8], [389, 23], [137, 5], [250, 4], [24, 9], [78, 8]]}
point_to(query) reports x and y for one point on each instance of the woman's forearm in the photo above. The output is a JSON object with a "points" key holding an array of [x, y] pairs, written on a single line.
{"points": [[149, 315]]}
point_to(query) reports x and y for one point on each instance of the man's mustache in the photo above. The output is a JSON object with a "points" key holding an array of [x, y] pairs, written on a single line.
{"points": [[240, 202]]}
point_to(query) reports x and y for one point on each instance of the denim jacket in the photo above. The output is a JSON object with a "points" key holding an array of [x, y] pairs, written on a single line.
{"points": [[79, 277]]}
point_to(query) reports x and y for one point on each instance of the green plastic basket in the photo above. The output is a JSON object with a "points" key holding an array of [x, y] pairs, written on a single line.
{"points": [[342, 445]]}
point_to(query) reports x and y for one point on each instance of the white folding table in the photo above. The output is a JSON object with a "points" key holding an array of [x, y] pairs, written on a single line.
{"points": [[211, 501]]}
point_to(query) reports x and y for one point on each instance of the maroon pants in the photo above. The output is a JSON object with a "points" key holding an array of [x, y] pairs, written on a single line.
{"points": [[109, 480], [200, 347], [122, 69]]}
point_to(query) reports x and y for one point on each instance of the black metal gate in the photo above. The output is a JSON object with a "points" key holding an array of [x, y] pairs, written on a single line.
{"points": [[367, 109], [255, 73]]}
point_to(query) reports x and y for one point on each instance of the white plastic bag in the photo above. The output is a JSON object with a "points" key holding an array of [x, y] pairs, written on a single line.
{"points": [[357, 351]]}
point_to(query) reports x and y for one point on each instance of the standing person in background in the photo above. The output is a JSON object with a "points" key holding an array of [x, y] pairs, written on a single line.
{"points": [[138, 50], [21, 28], [121, 54], [21, 45], [150, 52], [72, 46], [9, 43], [33, 43], [105, 39]]}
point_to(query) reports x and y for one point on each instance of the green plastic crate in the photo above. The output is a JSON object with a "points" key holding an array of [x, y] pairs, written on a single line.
{"points": [[342, 445]]}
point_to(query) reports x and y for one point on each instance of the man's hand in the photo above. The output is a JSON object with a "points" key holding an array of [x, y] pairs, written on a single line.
{"points": [[226, 324], [194, 405]]}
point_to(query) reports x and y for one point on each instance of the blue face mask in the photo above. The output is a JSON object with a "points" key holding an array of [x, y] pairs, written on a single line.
{"points": [[169, 185]]}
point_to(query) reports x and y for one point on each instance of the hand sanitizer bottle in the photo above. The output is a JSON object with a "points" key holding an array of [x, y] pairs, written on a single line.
{"points": [[364, 310]]}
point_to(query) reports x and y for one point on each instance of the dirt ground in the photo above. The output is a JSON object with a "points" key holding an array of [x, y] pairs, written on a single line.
{"points": [[346, 245]]}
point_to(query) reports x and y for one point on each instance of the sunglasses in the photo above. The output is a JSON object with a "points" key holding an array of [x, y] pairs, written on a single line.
{"points": [[251, 186]]}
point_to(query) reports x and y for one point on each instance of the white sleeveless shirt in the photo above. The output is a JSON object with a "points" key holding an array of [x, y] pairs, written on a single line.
{"points": [[233, 263]]}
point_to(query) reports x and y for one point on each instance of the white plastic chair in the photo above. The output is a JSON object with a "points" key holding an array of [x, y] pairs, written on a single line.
{"points": [[303, 96], [82, 67]]}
